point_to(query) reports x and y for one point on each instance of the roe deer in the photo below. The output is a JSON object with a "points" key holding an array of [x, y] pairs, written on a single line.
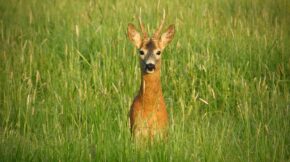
{"points": [[148, 115]]}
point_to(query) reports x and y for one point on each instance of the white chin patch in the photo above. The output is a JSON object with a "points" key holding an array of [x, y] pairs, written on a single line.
{"points": [[150, 72]]}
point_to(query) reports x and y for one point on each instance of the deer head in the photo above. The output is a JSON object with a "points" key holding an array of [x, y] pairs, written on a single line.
{"points": [[150, 48]]}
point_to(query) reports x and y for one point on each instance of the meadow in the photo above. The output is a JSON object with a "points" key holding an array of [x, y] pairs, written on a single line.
{"points": [[68, 75]]}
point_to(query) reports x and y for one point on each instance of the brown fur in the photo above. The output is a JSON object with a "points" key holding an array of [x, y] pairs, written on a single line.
{"points": [[148, 115]]}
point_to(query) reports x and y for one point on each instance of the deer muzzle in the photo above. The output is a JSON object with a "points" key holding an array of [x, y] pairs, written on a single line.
{"points": [[150, 68]]}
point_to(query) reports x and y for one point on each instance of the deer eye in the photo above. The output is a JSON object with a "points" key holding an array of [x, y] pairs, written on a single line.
{"points": [[158, 52], [141, 52]]}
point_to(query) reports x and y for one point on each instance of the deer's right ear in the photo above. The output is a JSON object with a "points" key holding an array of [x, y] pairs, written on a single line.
{"points": [[134, 35], [167, 37]]}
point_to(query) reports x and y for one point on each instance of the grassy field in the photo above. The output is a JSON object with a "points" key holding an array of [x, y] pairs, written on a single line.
{"points": [[68, 75]]}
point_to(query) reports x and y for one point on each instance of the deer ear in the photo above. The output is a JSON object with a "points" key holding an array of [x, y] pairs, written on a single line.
{"points": [[167, 37], [134, 35]]}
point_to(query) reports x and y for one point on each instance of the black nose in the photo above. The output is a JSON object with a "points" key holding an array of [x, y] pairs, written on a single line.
{"points": [[150, 67]]}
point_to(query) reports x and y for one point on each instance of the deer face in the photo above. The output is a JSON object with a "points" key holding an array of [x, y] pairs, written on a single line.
{"points": [[150, 55], [150, 49]]}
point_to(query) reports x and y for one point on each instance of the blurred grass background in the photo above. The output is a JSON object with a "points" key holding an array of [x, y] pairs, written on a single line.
{"points": [[68, 75]]}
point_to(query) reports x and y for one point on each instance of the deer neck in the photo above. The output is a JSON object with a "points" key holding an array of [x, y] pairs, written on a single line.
{"points": [[150, 89]]}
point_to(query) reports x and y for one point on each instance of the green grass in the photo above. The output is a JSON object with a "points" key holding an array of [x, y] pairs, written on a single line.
{"points": [[68, 75]]}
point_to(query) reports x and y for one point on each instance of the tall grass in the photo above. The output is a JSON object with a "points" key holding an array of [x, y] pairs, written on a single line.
{"points": [[68, 76]]}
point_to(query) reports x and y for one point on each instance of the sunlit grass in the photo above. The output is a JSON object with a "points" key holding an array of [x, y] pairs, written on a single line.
{"points": [[68, 76]]}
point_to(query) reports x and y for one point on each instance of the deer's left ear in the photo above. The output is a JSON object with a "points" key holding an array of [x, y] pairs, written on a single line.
{"points": [[167, 37], [134, 35]]}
